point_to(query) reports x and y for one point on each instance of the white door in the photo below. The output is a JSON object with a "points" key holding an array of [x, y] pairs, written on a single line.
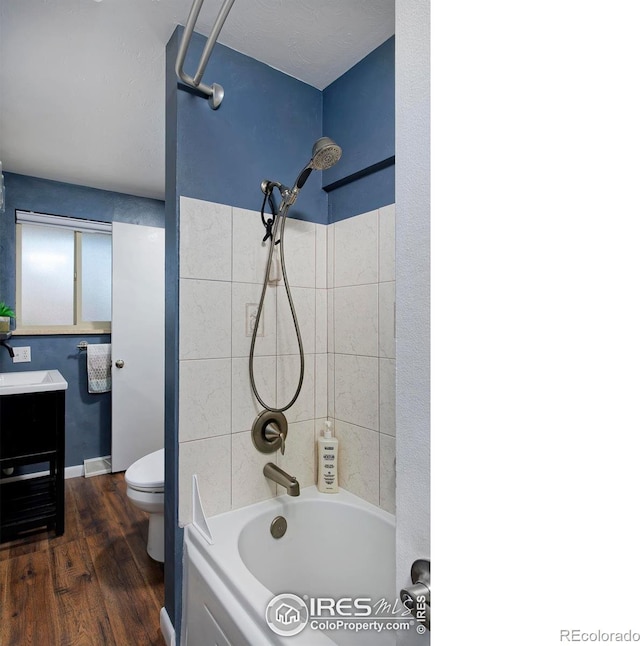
{"points": [[137, 343]]}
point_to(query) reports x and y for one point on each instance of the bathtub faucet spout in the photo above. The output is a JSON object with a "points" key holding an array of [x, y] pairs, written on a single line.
{"points": [[281, 477]]}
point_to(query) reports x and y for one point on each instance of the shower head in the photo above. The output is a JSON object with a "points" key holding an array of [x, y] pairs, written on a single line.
{"points": [[324, 154]]}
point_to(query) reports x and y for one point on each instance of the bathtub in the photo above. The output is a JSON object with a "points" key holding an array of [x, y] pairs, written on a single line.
{"points": [[336, 546]]}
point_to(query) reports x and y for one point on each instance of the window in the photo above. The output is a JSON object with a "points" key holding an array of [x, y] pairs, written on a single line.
{"points": [[63, 275]]}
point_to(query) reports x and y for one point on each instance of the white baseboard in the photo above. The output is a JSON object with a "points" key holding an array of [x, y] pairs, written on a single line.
{"points": [[97, 466], [69, 472], [167, 629], [73, 472]]}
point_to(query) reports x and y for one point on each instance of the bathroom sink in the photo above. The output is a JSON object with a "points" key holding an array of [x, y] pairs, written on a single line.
{"points": [[31, 381]]}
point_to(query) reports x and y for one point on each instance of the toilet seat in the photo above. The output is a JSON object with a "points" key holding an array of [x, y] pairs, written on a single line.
{"points": [[147, 473]]}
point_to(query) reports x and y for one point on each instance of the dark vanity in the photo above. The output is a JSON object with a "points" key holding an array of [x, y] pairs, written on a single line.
{"points": [[32, 427]]}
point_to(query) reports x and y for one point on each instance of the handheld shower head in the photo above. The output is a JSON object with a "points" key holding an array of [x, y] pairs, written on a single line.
{"points": [[324, 154]]}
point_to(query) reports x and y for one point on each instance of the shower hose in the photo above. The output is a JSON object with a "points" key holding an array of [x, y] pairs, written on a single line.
{"points": [[279, 220]]}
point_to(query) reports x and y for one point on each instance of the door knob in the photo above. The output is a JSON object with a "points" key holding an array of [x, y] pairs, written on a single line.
{"points": [[119, 363], [417, 597]]}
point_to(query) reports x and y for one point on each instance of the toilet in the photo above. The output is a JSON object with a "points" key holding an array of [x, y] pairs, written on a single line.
{"points": [[145, 490]]}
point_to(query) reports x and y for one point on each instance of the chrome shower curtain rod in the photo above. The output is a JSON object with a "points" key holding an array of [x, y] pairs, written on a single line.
{"points": [[215, 92]]}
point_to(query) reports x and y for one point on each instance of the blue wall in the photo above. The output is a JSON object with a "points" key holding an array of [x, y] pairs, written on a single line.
{"points": [[267, 124], [359, 113], [264, 129], [172, 534], [88, 421]]}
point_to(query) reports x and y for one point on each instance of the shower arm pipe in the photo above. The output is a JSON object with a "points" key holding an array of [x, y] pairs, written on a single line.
{"points": [[215, 92]]}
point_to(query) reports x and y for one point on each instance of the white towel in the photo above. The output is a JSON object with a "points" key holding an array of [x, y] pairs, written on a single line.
{"points": [[99, 367]]}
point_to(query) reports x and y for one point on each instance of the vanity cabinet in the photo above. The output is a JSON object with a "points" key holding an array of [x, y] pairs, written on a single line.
{"points": [[32, 429]]}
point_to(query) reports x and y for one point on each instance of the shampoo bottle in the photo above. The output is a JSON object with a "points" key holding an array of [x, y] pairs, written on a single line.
{"points": [[328, 461]]}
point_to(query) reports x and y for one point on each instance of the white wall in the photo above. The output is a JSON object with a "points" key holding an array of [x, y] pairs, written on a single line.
{"points": [[413, 287]]}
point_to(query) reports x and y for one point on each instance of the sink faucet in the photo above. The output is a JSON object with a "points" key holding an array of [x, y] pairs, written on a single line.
{"points": [[281, 477], [8, 347]]}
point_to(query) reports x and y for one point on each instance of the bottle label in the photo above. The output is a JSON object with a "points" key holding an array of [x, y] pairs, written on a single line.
{"points": [[328, 465]]}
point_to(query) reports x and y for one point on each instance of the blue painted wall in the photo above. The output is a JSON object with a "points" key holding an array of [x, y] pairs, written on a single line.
{"points": [[173, 534], [264, 129], [88, 422], [373, 189], [359, 113]]}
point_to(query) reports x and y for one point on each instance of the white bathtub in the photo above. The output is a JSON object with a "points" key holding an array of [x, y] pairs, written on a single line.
{"points": [[336, 546]]}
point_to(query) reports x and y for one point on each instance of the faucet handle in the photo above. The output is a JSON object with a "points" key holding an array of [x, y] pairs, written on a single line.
{"points": [[272, 433], [269, 431]]}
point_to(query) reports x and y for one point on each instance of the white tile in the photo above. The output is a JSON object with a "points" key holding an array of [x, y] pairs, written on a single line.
{"points": [[210, 460], [321, 256], [299, 456], [205, 399], [205, 319], [245, 298], [244, 406], [356, 250], [387, 396], [356, 390], [359, 461], [248, 483], [387, 243], [205, 239], [321, 386], [331, 321], [249, 252], [331, 256], [300, 252], [321, 320], [356, 320], [388, 473], [304, 300], [288, 378], [387, 320], [331, 385]]}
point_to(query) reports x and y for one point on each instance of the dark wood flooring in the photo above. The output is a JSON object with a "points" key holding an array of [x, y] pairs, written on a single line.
{"points": [[93, 586]]}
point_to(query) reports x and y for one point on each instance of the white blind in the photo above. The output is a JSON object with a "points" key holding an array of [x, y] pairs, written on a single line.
{"points": [[42, 219]]}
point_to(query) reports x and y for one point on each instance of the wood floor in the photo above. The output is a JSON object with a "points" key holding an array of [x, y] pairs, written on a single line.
{"points": [[95, 585]]}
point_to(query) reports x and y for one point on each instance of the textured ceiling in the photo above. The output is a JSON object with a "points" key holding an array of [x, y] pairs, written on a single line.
{"points": [[82, 81]]}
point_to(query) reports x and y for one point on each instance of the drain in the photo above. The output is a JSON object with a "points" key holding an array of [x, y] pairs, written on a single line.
{"points": [[278, 527]]}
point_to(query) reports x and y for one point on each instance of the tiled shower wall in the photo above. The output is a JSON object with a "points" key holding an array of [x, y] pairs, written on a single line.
{"points": [[342, 279], [361, 325]]}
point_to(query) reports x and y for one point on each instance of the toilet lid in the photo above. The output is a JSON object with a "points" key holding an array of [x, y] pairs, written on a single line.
{"points": [[147, 472]]}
